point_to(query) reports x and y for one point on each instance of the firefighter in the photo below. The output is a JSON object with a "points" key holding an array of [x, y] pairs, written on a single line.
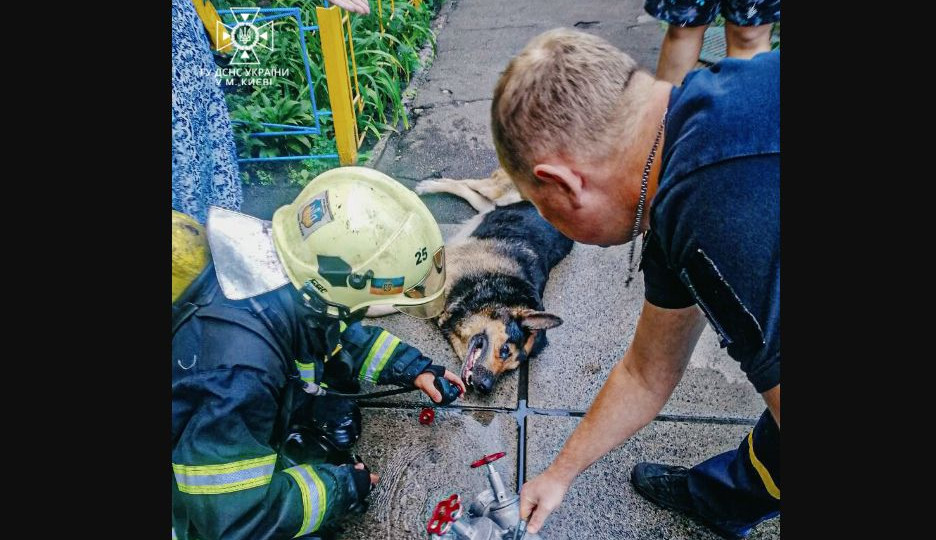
{"points": [[263, 310]]}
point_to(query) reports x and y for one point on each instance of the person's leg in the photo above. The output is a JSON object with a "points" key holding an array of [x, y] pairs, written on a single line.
{"points": [[204, 157], [679, 52], [731, 492], [748, 24], [741, 488], [682, 43], [746, 41]]}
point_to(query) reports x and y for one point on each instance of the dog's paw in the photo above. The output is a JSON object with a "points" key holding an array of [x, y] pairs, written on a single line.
{"points": [[380, 311], [428, 186]]}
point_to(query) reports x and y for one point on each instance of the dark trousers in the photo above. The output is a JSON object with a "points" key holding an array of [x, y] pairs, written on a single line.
{"points": [[741, 488]]}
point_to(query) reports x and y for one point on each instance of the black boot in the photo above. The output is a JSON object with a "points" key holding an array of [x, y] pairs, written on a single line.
{"points": [[668, 486]]}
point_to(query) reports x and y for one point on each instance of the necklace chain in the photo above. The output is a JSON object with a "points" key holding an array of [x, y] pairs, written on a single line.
{"points": [[643, 199]]}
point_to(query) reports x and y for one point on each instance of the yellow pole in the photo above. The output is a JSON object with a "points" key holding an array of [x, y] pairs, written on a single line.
{"points": [[357, 98], [335, 57], [380, 15]]}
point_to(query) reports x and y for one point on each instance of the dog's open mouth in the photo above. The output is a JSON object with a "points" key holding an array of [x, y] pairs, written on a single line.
{"points": [[477, 348]]}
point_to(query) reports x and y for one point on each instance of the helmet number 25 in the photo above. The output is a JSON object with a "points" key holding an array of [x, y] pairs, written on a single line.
{"points": [[421, 256]]}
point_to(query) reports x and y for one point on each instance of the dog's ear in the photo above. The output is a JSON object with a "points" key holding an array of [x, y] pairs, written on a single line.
{"points": [[537, 320]]}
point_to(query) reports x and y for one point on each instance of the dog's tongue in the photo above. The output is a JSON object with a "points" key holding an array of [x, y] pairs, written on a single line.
{"points": [[469, 364]]}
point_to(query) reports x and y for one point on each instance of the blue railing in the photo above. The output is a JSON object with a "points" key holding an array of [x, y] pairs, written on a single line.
{"points": [[285, 129]]}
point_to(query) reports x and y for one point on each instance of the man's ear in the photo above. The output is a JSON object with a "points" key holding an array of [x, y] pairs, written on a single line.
{"points": [[563, 178]]}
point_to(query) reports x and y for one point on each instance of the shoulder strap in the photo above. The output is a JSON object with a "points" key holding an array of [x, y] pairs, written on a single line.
{"points": [[197, 299], [198, 294]]}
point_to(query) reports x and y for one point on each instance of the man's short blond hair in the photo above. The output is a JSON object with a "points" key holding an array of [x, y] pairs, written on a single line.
{"points": [[564, 94]]}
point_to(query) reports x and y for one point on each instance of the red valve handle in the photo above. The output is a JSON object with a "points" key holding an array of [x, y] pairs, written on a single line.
{"points": [[426, 416], [445, 513], [490, 458]]}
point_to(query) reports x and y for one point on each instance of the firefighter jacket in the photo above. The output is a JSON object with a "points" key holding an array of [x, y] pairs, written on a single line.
{"points": [[234, 364]]}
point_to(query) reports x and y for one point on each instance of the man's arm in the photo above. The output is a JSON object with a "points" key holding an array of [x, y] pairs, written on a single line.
{"points": [[638, 387], [382, 358], [772, 397]]}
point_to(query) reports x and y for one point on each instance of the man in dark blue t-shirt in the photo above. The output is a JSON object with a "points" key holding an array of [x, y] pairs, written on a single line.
{"points": [[598, 146]]}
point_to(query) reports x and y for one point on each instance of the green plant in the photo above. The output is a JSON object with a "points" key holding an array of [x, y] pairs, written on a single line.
{"points": [[250, 116], [300, 176], [263, 176], [385, 62]]}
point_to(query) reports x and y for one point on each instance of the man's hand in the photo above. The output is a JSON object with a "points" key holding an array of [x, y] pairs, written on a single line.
{"points": [[364, 482], [373, 477], [540, 497], [634, 393], [425, 383], [357, 6]]}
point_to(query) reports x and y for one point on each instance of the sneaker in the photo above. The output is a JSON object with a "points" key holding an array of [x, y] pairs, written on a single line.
{"points": [[668, 486]]}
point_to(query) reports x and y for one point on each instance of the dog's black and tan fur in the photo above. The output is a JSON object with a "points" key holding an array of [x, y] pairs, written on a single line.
{"points": [[496, 271]]}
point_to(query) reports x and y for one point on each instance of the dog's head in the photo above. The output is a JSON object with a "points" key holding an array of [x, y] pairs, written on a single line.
{"points": [[496, 340]]}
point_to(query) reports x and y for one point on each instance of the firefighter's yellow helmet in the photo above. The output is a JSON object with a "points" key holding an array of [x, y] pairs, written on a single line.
{"points": [[356, 237], [190, 252]]}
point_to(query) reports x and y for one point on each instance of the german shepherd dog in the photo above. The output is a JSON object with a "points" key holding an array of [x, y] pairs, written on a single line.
{"points": [[496, 270]]}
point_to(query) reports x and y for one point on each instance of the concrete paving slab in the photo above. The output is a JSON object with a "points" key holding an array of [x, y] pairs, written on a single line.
{"points": [[448, 208], [587, 290], [451, 141], [639, 38], [602, 504], [464, 70], [481, 37], [262, 201], [448, 141], [420, 465], [469, 14]]}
